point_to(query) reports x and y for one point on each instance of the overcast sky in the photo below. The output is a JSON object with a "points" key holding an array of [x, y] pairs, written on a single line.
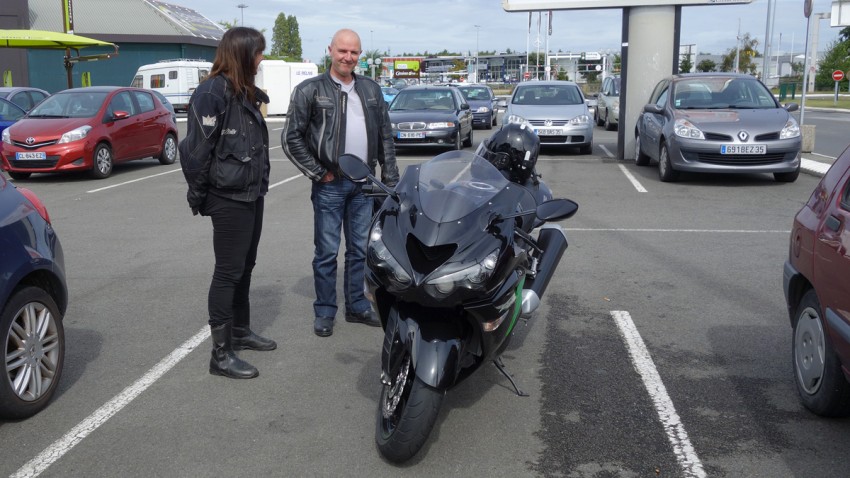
{"points": [[399, 26]]}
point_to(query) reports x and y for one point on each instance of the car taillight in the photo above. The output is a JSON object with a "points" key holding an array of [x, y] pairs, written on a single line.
{"points": [[36, 202]]}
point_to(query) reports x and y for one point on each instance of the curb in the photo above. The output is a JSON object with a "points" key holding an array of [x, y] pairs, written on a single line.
{"points": [[815, 168]]}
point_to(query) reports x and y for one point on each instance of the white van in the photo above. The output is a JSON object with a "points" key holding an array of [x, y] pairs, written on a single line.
{"points": [[175, 79], [278, 78]]}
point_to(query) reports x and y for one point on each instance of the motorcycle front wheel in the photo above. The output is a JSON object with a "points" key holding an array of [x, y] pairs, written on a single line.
{"points": [[407, 411]]}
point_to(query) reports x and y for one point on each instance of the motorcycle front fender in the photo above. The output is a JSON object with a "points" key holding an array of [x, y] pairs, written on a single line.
{"points": [[434, 347]]}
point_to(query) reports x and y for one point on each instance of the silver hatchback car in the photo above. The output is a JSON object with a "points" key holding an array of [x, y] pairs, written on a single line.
{"points": [[556, 110], [717, 123]]}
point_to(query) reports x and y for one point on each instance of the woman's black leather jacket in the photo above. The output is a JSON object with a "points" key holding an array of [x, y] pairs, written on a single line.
{"points": [[226, 148]]}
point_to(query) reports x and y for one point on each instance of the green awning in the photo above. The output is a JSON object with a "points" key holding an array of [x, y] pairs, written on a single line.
{"points": [[43, 39]]}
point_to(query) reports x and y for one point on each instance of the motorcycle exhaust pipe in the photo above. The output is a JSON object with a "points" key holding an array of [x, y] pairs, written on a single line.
{"points": [[553, 240]]}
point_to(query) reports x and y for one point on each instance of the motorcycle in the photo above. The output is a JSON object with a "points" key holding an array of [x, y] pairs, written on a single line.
{"points": [[452, 265]]}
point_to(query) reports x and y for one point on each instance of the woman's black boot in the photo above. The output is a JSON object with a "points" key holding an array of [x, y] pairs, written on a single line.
{"points": [[224, 360]]}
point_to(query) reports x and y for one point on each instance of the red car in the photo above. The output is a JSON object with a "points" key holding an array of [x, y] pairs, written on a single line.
{"points": [[817, 291], [89, 129]]}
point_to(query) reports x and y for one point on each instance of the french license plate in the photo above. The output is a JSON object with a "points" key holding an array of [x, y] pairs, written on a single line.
{"points": [[743, 149], [30, 156], [549, 132], [410, 135]]}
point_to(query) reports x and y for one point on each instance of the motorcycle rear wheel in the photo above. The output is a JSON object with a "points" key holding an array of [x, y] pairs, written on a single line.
{"points": [[407, 411]]}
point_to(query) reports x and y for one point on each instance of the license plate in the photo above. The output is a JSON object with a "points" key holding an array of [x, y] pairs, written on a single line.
{"points": [[410, 135], [30, 156], [743, 149], [549, 132]]}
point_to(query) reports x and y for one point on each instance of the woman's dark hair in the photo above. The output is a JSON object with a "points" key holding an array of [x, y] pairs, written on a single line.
{"points": [[235, 57]]}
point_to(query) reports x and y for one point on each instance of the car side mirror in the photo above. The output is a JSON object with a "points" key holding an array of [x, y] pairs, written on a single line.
{"points": [[653, 108], [464, 106], [502, 104], [119, 115], [789, 107]]}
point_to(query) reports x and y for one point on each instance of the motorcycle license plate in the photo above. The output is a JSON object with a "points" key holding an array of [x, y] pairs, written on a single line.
{"points": [[35, 155], [549, 132], [410, 135], [743, 149]]}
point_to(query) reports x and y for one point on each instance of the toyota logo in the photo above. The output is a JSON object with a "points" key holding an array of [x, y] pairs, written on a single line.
{"points": [[743, 135], [30, 140], [547, 123]]}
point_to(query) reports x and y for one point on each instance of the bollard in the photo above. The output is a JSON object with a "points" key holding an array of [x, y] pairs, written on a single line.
{"points": [[808, 138]]}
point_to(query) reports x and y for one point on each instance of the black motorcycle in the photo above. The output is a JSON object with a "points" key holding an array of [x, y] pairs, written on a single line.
{"points": [[452, 265]]}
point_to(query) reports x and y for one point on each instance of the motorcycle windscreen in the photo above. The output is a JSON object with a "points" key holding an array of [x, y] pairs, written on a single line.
{"points": [[457, 183]]}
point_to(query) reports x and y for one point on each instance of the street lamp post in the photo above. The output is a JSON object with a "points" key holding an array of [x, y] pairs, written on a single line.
{"points": [[373, 63], [477, 29], [242, 8]]}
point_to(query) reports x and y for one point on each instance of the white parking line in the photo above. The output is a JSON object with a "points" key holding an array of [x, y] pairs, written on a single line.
{"points": [[132, 181], [286, 181], [699, 231], [632, 179], [56, 450], [608, 153], [645, 367]]}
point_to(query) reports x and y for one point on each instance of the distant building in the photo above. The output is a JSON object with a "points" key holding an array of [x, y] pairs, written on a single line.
{"points": [[146, 31]]}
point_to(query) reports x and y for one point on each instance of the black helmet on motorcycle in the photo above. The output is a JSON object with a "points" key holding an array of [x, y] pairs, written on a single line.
{"points": [[513, 150]]}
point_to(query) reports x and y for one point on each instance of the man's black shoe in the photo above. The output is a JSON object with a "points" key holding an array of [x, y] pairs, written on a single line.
{"points": [[323, 326], [366, 317]]}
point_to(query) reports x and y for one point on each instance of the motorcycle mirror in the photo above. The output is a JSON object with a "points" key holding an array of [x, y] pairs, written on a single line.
{"points": [[353, 167], [556, 209]]}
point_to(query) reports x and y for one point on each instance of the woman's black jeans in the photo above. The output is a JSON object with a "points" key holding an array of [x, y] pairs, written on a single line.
{"points": [[236, 233]]}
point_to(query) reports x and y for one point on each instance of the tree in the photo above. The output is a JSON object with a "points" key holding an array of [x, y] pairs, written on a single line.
{"points": [[706, 66], [686, 65], [837, 57], [286, 39], [844, 34], [747, 51]]}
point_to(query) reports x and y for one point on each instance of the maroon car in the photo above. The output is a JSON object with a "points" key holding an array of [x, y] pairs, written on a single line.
{"points": [[89, 129], [817, 291]]}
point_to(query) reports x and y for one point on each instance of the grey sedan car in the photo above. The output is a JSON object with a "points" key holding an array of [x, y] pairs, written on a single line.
{"points": [[717, 123], [427, 116], [556, 110]]}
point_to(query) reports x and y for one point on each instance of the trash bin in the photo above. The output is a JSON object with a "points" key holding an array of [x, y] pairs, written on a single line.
{"points": [[793, 88], [783, 91]]}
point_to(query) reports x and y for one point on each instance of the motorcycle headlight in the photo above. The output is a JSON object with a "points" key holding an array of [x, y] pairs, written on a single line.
{"points": [[7, 138], [791, 129], [442, 124], [686, 129], [380, 258], [473, 277], [580, 119], [75, 134]]}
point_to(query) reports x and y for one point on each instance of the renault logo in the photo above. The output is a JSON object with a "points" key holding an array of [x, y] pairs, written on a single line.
{"points": [[30, 140], [743, 135], [547, 123]]}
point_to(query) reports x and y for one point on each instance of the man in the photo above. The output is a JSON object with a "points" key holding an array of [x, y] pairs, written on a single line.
{"points": [[335, 113]]}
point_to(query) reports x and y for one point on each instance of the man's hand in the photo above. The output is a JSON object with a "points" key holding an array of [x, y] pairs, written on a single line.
{"points": [[328, 177]]}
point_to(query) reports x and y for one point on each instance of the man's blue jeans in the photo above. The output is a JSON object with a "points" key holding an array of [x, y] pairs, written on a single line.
{"points": [[339, 205]]}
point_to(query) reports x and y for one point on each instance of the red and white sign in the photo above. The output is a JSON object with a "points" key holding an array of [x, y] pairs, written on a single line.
{"points": [[837, 75]]}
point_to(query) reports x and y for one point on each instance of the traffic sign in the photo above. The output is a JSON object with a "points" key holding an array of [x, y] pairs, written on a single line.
{"points": [[837, 75]]}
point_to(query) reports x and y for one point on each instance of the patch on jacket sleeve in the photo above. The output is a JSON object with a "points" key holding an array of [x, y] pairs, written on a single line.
{"points": [[208, 121]]}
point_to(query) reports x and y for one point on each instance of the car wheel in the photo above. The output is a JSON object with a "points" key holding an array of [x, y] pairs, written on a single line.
{"points": [[665, 170], [817, 370], [787, 177], [15, 175], [102, 161], [641, 159], [596, 118], [490, 122], [458, 141], [494, 119], [586, 148], [468, 141], [169, 150], [33, 345], [609, 126]]}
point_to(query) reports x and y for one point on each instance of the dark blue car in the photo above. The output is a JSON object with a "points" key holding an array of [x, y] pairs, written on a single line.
{"points": [[33, 299], [9, 114]]}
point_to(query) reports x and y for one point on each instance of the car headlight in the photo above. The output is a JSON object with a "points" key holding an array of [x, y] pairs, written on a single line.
{"points": [[6, 136], [473, 277], [380, 258], [791, 130], [580, 119], [686, 129], [393, 125], [441, 124], [75, 134], [512, 118], [483, 109]]}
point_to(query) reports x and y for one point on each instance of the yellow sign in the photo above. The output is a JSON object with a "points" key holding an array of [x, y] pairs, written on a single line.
{"points": [[7, 78], [85, 78]]}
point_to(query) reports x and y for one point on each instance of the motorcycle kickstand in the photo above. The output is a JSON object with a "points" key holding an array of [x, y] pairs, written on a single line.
{"points": [[501, 366]]}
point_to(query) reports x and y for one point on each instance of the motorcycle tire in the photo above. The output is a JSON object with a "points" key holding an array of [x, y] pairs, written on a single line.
{"points": [[404, 429]]}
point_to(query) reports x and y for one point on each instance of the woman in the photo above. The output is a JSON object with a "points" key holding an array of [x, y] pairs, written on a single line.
{"points": [[225, 159]]}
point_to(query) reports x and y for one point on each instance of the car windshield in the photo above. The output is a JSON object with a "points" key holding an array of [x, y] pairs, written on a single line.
{"points": [[475, 94], [615, 87], [69, 105], [721, 93], [389, 90], [429, 99], [456, 183], [548, 95]]}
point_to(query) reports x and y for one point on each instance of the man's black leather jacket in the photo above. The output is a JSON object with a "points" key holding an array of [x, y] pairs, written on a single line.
{"points": [[311, 139], [226, 148]]}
